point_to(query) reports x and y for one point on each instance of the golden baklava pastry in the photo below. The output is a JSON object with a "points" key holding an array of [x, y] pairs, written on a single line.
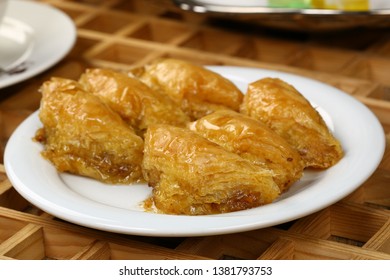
{"points": [[196, 89], [286, 111], [252, 140], [193, 176], [137, 103], [82, 135]]}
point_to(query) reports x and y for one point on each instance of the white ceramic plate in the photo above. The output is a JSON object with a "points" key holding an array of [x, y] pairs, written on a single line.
{"points": [[34, 36], [117, 208]]}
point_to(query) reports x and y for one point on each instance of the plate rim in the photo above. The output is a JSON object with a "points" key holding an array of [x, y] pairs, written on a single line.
{"points": [[217, 224], [64, 43]]}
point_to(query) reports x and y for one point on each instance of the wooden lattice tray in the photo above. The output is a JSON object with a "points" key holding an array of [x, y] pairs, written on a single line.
{"points": [[119, 34]]}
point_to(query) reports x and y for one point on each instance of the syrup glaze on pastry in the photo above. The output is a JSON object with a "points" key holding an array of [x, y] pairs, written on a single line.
{"points": [[289, 114], [82, 135], [252, 140], [191, 175], [134, 101], [196, 89]]}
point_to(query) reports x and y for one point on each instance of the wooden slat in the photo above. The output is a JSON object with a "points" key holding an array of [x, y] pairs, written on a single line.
{"points": [[380, 241], [280, 250], [25, 244], [98, 250]]}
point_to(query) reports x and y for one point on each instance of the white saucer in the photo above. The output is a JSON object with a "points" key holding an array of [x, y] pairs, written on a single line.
{"points": [[33, 37]]}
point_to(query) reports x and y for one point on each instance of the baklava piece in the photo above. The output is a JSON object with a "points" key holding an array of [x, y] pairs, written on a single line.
{"points": [[133, 100], [287, 112], [83, 136], [252, 140], [198, 90], [191, 175]]}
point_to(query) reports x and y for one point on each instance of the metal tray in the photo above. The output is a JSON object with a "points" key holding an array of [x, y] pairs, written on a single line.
{"points": [[297, 18]]}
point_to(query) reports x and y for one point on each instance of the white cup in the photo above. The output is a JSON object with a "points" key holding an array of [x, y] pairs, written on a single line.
{"points": [[3, 8]]}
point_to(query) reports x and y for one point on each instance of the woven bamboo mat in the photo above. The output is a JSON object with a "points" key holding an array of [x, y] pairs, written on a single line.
{"points": [[122, 33]]}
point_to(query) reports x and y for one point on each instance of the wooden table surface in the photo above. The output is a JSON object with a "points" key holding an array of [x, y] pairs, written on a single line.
{"points": [[121, 33]]}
